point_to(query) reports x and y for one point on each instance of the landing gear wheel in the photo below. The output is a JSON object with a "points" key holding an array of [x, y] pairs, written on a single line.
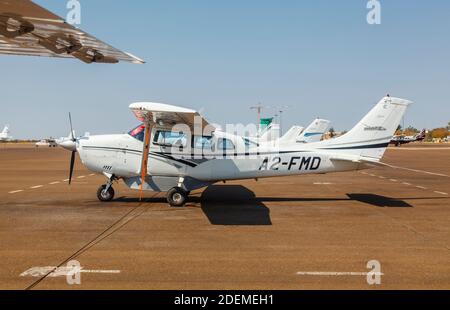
{"points": [[105, 195], [177, 197]]}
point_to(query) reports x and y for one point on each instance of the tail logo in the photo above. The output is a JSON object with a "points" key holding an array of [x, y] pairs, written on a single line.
{"points": [[375, 128]]}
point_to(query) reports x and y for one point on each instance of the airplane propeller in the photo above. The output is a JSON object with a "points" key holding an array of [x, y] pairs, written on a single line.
{"points": [[73, 140]]}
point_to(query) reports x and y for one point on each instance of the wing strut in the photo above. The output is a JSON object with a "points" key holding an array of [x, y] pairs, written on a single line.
{"points": [[145, 154]]}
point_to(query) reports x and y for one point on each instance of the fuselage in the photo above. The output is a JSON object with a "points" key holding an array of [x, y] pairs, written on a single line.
{"points": [[121, 155]]}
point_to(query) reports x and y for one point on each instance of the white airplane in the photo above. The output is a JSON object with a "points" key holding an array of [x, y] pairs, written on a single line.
{"points": [[4, 135], [28, 29], [176, 151], [313, 133]]}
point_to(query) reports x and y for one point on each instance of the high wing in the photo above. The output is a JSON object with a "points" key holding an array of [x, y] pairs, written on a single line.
{"points": [[167, 116], [28, 29]]}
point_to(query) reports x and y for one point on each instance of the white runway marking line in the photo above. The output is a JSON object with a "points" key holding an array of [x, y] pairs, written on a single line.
{"points": [[54, 183], [323, 183], [37, 186], [421, 187], [61, 271], [335, 273], [393, 180], [66, 180], [92, 175], [15, 192], [441, 193], [420, 171], [381, 177], [81, 177], [406, 183]]}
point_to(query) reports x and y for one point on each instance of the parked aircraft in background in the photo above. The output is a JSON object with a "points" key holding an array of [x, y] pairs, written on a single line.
{"points": [[176, 151], [4, 135], [47, 143], [399, 140], [314, 132]]}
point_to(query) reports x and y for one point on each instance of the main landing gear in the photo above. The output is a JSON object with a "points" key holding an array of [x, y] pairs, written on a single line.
{"points": [[106, 193], [177, 197]]}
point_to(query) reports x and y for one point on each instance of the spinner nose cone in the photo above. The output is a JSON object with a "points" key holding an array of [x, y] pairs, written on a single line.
{"points": [[68, 145]]}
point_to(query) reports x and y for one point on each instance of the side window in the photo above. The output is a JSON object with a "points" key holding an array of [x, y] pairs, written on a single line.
{"points": [[250, 144], [168, 138], [203, 143], [225, 145]]}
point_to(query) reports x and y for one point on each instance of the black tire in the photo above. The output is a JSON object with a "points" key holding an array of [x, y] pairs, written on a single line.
{"points": [[105, 197], [177, 197]]}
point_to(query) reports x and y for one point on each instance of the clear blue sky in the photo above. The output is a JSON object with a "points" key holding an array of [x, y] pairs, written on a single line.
{"points": [[320, 57]]}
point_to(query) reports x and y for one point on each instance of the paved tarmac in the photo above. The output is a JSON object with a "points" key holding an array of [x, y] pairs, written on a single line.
{"points": [[312, 232]]}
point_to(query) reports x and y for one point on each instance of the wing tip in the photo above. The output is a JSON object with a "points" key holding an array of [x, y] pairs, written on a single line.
{"points": [[135, 59]]}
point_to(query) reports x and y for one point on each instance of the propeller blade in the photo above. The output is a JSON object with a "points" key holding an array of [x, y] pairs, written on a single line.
{"points": [[71, 127], [72, 164], [145, 153]]}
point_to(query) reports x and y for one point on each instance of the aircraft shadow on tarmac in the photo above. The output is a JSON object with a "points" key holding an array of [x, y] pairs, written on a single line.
{"points": [[225, 205], [374, 200], [238, 205], [380, 201], [234, 205]]}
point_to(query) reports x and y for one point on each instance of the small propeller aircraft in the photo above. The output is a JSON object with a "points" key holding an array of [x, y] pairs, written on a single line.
{"points": [[177, 151], [312, 133], [4, 135], [399, 140]]}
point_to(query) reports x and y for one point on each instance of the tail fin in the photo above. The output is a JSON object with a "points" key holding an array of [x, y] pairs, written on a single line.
{"points": [[371, 136], [271, 133], [5, 130], [292, 135], [315, 131], [422, 135]]}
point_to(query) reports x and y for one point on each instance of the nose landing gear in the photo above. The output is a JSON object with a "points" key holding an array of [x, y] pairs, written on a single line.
{"points": [[106, 193]]}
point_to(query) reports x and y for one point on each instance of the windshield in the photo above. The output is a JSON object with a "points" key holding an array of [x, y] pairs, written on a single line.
{"points": [[138, 132]]}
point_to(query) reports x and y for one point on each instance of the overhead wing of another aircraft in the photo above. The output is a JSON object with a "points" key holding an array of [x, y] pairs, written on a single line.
{"points": [[167, 116], [28, 29]]}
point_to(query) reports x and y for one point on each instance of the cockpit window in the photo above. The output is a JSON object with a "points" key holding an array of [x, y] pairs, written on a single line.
{"points": [[138, 132], [202, 143], [169, 138], [225, 144]]}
